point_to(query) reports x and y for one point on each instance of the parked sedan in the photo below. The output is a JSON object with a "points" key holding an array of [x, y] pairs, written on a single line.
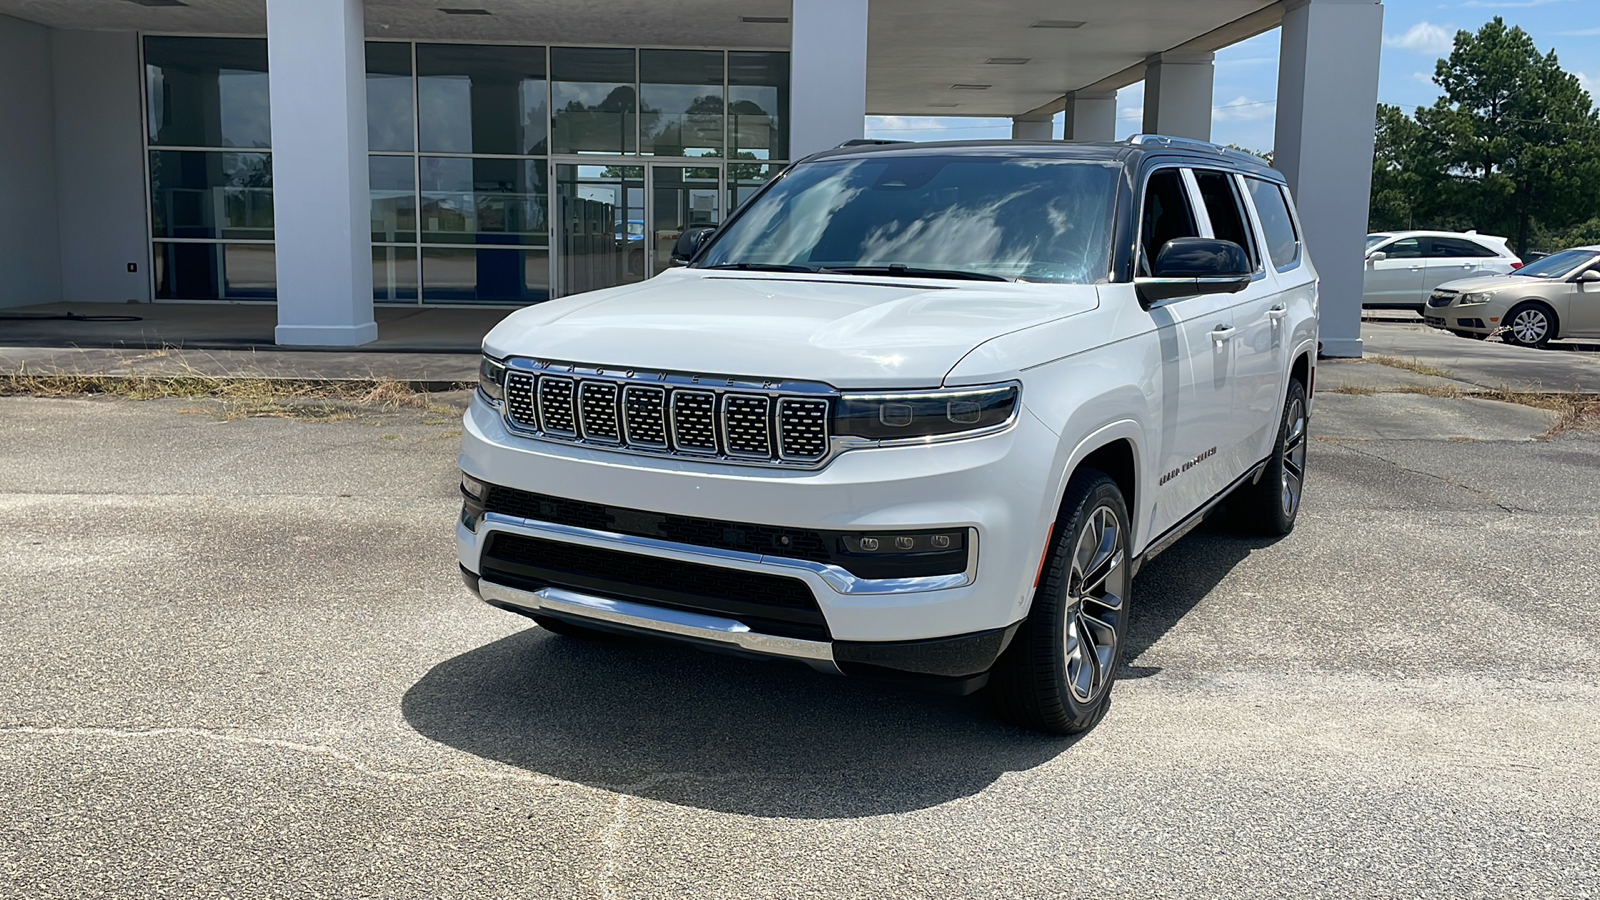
{"points": [[1556, 297], [1403, 267]]}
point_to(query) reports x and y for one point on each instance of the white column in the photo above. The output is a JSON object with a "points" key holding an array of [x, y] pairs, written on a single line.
{"points": [[827, 74], [1032, 128], [1177, 94], [1327, 104], [1091, 116], [316, 55]]}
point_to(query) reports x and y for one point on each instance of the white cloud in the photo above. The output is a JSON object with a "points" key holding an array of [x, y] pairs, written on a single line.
{"points": [[1509, 4], [1582, 32], [1423, 78], [1590, 83], [1244, 109], [1423, 37]]}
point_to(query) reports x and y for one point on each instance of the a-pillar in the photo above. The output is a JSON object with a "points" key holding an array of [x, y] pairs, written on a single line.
{"points": [[321, 203], [1091, 116], [1177, 94], [827, 74], [1032, 127], [1327, 103]]}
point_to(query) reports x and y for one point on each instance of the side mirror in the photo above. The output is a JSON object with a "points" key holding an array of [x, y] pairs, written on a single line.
{"points": [[689, 243], [1190, 266], [1377, 256], [1590, 276]]}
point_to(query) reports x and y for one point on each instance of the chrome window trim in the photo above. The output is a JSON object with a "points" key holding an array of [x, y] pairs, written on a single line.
{"points": [[839, 579]]}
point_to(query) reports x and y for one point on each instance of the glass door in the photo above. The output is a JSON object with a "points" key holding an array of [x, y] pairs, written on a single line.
{"points": [[600, 210], [681, 196]]}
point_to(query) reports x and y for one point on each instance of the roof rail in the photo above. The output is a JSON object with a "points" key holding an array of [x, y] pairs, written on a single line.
{"points": [[1182, 143], [867, 142]]}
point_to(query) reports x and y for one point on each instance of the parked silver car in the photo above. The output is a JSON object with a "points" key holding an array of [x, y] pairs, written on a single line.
{"points": [[1556, 297], [1403, 267]]}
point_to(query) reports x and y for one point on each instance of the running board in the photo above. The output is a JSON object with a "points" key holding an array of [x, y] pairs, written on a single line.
{"points": [[1175, 533]]}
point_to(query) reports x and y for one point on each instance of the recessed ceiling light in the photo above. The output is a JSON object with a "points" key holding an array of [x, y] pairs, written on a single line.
{"points": [[970, 87], [1057, 23], [1009, 60], [764, 20], [159, 2], [464, 11]]}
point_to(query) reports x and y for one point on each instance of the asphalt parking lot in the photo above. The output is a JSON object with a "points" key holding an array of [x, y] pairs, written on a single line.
{"points": [[239, 662]]}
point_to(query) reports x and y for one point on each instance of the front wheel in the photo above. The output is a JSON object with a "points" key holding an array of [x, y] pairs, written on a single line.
{"points": [[1530, 324], [1271, 505], [1057, 674]]}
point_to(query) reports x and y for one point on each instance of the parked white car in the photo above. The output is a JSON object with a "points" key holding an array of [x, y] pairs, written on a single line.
{"points": [[1403, 267], [916, 411], [1556, 297]]}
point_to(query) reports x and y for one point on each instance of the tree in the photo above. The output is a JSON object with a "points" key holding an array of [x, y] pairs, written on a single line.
{"points": [[1512, 146]]}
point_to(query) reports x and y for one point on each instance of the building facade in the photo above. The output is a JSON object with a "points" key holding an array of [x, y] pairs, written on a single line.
{"points": [[328, 156]]}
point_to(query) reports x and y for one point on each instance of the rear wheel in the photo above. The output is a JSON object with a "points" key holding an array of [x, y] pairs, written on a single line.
{"points": [[1530, 324], [1057, 674], [1271, 505]]}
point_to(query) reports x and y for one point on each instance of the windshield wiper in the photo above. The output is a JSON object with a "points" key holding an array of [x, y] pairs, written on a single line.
{"points": [[911, 272], [764, 267]]}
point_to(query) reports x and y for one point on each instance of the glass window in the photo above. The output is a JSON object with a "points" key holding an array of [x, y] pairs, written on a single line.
{"points": [[1283, 242], [680, 102], [215, 272], [1557, 265], [207, 92], [1374, 240], [394, 274], [744, 179], [484, 201], [1222, 207], [390, 105], [602, 226], [1030, 219], [1407, 248], [482, 99], [485, 275], [758, 105], [1166, 216], [210, 194], [1456, 248], [394, 198], [592, 94]]}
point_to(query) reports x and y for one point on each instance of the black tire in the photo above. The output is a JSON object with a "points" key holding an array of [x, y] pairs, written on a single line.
{"points": [[572, 630], [1529, 324], [1271, 505], [1058, 672]]}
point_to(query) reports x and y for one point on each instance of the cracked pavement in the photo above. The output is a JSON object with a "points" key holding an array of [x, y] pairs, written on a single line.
{"points": [[238, 662]]}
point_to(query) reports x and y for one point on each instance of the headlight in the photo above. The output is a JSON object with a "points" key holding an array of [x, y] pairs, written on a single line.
{"points": [[1477, 299], [492, 379], [925, 414]]}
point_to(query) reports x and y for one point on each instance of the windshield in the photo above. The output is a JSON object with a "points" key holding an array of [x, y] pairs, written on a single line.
{"points": [[1001, 217], [1374, 240], [1556, 265]]}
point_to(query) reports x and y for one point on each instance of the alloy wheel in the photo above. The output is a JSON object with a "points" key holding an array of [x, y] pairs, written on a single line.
{"points": [[1530, 326], [1096, 587], [1294, 458]]}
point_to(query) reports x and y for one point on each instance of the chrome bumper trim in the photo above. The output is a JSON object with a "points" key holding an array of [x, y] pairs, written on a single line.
{"points": [[662, 621], [837, 578]]}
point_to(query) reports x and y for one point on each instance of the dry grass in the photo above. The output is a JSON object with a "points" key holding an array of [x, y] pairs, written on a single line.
{"points": [[1409, 365], [1355, 390], [236, 398]]}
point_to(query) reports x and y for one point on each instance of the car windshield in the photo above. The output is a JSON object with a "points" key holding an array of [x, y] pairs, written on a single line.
{"points": [[1556, 265], [991, 218], [1374, 240]]}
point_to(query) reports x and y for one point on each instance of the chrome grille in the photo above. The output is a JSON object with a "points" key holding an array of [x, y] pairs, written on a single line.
{"points": [[555, 406], [597, 409], [1441, 298], [746, 421], [644, 415], [802, 428], [694, 421]]}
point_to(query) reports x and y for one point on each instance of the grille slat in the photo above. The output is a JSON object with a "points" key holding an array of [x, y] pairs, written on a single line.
{"points": [[750, 422]]}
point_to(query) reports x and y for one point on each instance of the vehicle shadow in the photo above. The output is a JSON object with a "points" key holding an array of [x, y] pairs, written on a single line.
{"points": [[757, 738]]}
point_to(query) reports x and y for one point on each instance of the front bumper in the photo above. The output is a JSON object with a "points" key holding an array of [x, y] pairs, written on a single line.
{"points": [[977, 484]]}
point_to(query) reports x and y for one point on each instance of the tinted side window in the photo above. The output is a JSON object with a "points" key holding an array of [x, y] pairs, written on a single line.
{"points": [[1166, 215], [1283, 243], [1409, 248], [1458, 247], [1222, 205]]}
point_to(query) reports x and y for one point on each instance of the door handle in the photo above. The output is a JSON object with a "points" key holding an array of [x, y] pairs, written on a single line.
{"points": [[1222, 334], [1416, 268], [1277, 312]]}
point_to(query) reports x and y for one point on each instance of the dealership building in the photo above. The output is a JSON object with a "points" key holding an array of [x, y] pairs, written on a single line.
{"points": [[331, 156]]}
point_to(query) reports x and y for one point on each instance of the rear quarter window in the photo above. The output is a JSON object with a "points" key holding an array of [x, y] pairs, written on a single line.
{"points": [[1283, 241]]}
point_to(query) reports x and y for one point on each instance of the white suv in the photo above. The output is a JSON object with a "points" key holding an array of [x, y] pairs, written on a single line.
{"points": [[1403, 267], [916, 411]]}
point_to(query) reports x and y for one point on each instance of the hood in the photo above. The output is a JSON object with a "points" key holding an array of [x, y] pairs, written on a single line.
{"points": [[1487, 283], [850, 332]]}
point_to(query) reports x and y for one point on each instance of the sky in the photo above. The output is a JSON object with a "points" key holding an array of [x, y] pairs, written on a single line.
{"points": [[1416, 33]]}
